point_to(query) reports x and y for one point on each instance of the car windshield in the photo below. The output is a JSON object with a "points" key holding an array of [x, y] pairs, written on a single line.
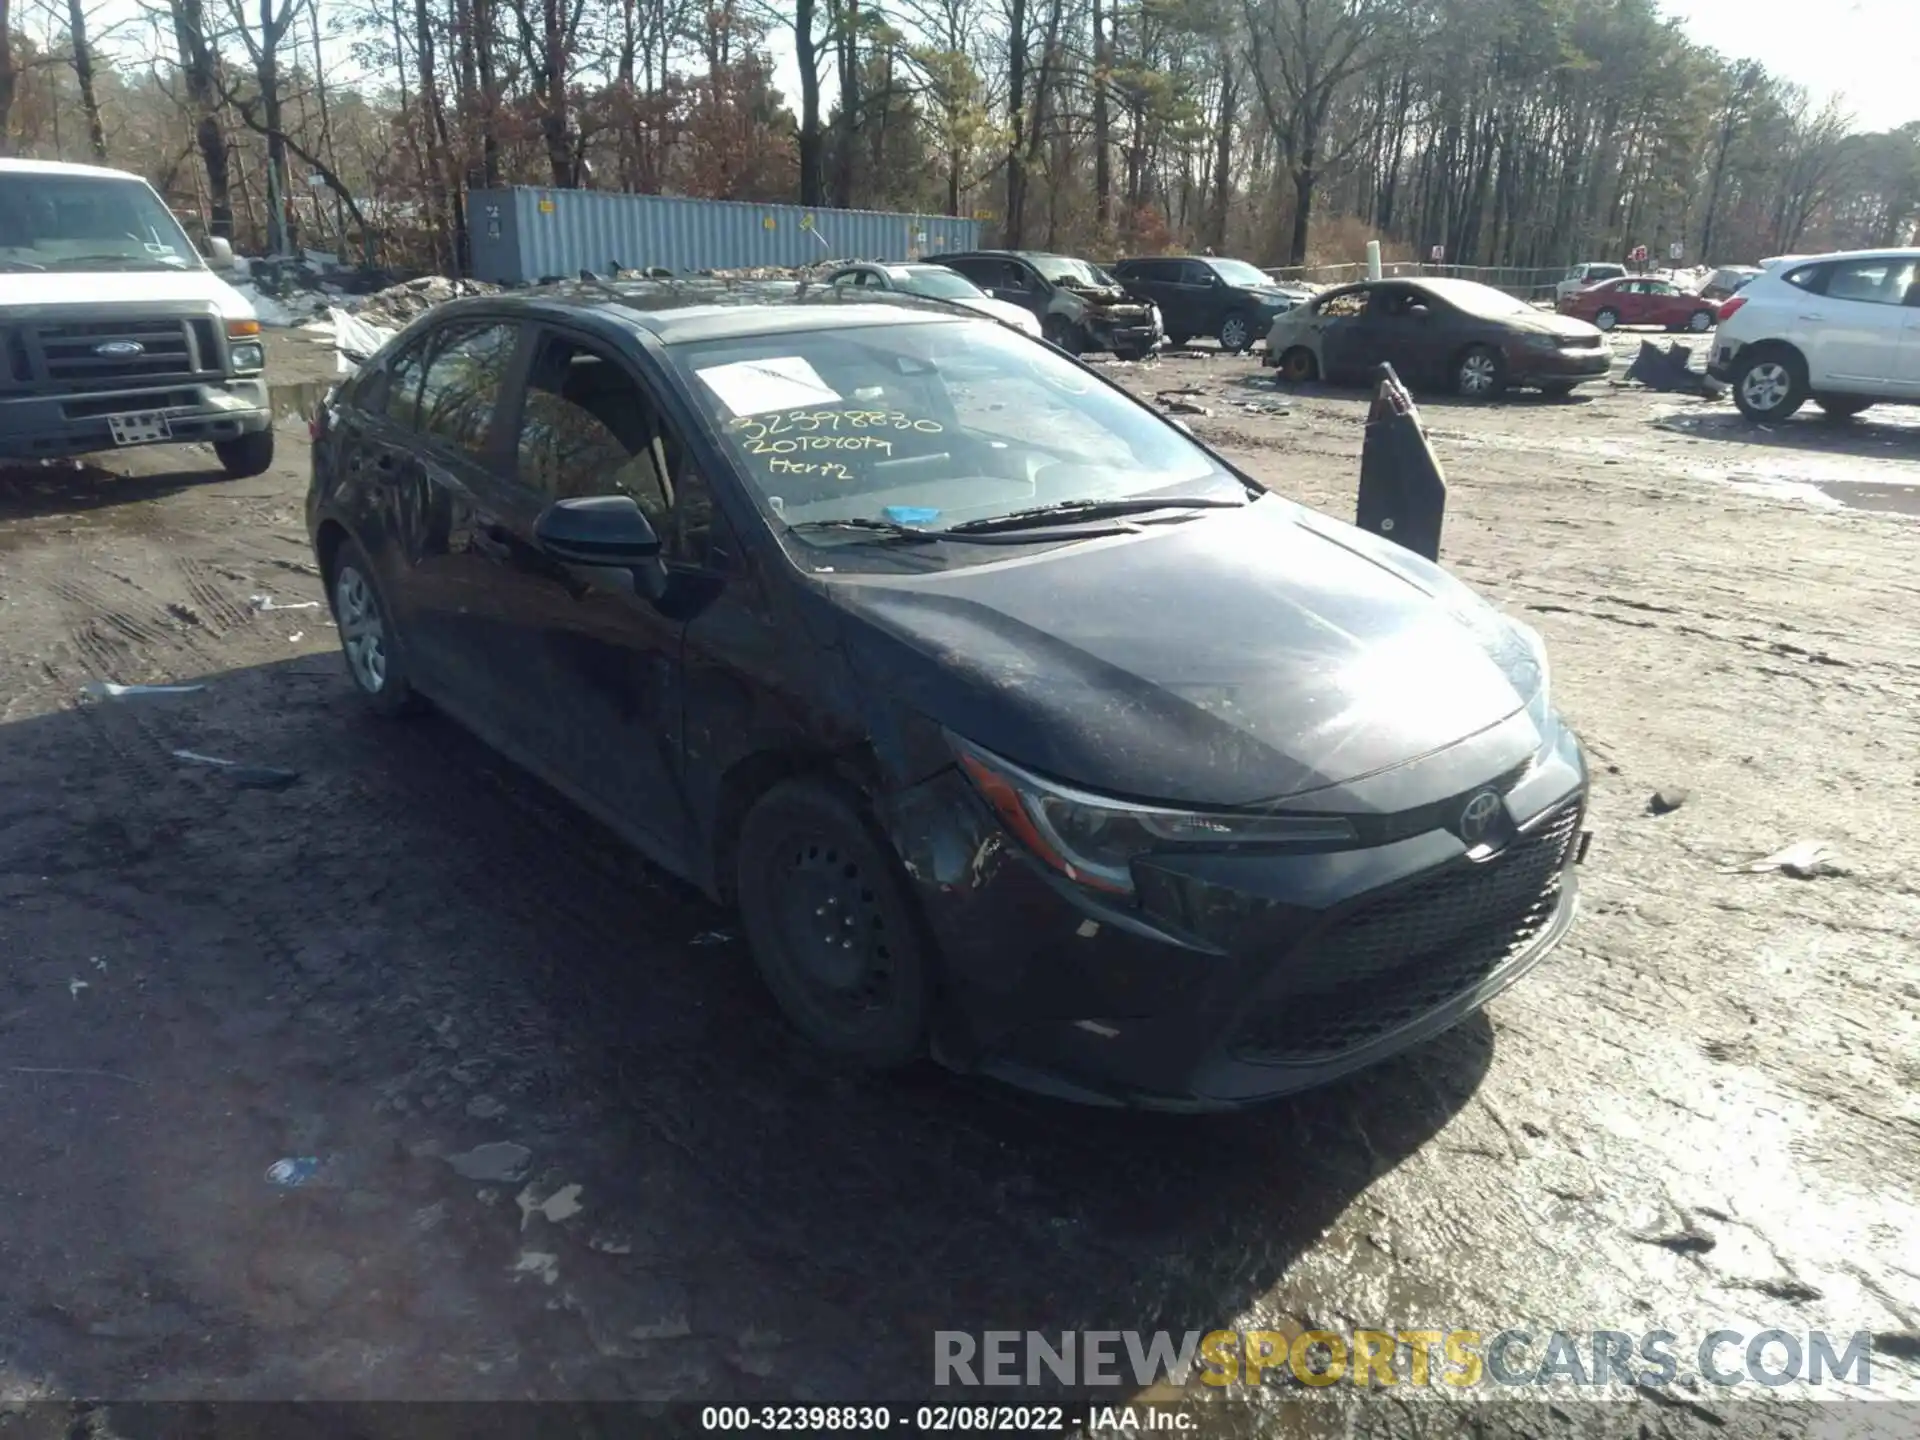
{"points": [[1239, 272], [88, 222], [932, 425], [937, 282], [1477, 299], [1064, 270]]}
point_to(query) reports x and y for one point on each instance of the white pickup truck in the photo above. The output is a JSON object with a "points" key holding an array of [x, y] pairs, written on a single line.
{"points": [[115, 331]]}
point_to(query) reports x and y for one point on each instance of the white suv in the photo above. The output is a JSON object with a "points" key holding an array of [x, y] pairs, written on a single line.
{"points": [[1840, 330]]}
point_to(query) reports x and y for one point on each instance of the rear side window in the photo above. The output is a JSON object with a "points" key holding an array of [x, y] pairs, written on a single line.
{"points": [[463, 382], [393, 390], [1875, 282], [1807, 277]]}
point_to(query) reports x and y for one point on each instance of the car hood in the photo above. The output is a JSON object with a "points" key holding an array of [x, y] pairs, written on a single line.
{"points": [[1240, 657], [1001, 310], [38, 288], [1546, 322]]}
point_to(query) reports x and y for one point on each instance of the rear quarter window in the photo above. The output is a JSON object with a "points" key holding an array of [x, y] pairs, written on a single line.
{"points": [[1807, 277]]}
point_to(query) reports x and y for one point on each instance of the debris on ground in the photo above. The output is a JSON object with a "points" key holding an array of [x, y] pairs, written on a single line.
{"points": [[562, 1204], [108, 690], [293, 1172], [498, 1160], [1666, 800], [1803, 860], [399, 305], [248, 777], [267, 602], [1175, 403], [1670, 371]]}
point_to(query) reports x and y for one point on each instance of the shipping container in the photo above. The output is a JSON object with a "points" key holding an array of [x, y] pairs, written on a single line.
{"points": [[524, 234]]}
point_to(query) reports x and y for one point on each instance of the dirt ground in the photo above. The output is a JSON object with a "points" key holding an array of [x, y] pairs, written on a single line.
{"points": [[1702, 1113]]}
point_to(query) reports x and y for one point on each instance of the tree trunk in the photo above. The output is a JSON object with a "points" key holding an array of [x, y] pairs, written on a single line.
{"points": [[1012, 229], [9, 75], [1222, 160], [850, 105], [197, 69], [1303, 182], [1102, 129], [83, 72], [807, 53], [553, 110]]}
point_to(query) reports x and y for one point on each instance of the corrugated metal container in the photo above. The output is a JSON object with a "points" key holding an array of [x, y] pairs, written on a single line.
{"points": [[523, 234]]}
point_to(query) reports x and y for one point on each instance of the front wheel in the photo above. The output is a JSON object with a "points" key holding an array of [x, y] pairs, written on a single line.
{"points": [[1236, 334], [1481, 374], [246, 456], [1770, 386], [1064, 334], [832, 927], [1297, 366]]}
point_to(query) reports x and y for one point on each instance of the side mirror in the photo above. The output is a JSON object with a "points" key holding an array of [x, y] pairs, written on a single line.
{"points": [[220, 252], [597, 530]]}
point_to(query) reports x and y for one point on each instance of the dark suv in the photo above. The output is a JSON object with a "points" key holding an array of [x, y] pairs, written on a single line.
{"points": [[1080, 306], [1202, 295]]}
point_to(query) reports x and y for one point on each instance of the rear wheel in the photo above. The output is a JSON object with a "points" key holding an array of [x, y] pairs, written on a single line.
{"points": [[1236, 334], [1297, 366], [247, 455], [1770, 385], [833, 929], [1607, 319], [1841, 407], [1480, 374], [1700, 321], [369, 639]]}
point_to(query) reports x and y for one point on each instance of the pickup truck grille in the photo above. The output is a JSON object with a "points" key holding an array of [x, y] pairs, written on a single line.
{"points": [[111, 354]]}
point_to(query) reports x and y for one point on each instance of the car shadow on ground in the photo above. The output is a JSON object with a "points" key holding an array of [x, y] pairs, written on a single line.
{"points": [[59, 487], [415, 950], [1889, 434], [1265, 386]]}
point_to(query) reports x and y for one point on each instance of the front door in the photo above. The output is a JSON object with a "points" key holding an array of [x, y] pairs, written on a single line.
{"points": [[606, 699]]}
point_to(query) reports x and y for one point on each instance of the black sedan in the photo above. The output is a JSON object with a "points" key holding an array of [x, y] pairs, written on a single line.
{"points": [[903, 634]]}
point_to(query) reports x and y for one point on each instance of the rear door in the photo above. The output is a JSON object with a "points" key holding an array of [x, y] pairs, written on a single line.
{"points": [[1852, 328], [1905, 380]]}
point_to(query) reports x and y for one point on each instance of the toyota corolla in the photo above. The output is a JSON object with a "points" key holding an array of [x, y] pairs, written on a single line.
{"points": [[1024, 731]]}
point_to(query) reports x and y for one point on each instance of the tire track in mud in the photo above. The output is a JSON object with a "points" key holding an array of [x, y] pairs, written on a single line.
{"points": [[214, 603]]}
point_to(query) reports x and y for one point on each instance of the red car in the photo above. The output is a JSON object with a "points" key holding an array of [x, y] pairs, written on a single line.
{"points": [[1636, 300]]}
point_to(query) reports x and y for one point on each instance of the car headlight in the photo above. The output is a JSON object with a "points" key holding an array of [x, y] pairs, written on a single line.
{"points": [[1543, 342], [1094, 840], [1530, 675], [247, 355]]}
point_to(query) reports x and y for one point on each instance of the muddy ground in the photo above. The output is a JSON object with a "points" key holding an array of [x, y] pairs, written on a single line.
{"points": [[1703, 1112]]}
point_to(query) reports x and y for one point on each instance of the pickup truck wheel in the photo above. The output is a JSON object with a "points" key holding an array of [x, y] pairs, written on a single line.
{"points": [[832, 925], [369, 639], [1770, 385], [246, 456]]}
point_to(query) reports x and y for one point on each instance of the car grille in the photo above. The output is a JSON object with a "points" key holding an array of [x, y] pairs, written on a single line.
{"points": [[65, 356], [1417, 948]]}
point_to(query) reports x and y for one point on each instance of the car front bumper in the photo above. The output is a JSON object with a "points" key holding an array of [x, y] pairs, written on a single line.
{"points": [[1528, 365], [1234, 978], [51, 426], [1118, 335]]}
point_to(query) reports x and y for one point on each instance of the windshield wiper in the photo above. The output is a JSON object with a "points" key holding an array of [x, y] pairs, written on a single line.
{"points": [[966, 534], [891, 528], [142, 262], [8, 264], [1068, 512]]}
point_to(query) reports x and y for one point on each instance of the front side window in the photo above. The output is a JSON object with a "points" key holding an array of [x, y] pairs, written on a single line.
{"points": [[935, 281], [587, 427], [1239, 272], [88, 222], [929, 425], [463, 381]]}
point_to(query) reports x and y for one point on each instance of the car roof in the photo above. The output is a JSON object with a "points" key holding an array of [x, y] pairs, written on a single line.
{"points": [[678, 311], [62, 167], [1884, 252]]}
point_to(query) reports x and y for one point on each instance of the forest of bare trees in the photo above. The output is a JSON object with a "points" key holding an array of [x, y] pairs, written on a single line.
{"points": [[1512, 132]]}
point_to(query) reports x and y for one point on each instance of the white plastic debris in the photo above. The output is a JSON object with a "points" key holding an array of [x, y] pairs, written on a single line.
{"points": [[1804, 860], [264, 603], [108, 690]]}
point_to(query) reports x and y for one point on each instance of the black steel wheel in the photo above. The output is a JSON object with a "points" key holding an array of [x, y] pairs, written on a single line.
{"points": [[834, 932]]}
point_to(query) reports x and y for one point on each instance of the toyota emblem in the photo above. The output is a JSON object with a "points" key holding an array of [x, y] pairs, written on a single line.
{"points": [[120, 349], [1478, 816]]}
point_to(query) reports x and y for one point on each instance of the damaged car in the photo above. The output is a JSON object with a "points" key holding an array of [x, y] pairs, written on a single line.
{"points": [[1081, 308], [901, 634], [1456, 336]]}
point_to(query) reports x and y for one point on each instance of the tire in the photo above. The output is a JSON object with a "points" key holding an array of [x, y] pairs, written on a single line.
{"points": [[810, 870], [1607, 319], [1236, 334], [1700, 321], [1064, 334], [1297, 366], [1770, 385], [1132, 352], [1480, 373], [369, 639], [247, 455], [1841, 407]]}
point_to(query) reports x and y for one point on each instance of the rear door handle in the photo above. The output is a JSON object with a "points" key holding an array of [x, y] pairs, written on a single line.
{"points": [[1815, 318]]}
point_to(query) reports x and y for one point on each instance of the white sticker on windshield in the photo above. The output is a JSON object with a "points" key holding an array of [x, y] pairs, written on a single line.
{"points": [[785, 382]]}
